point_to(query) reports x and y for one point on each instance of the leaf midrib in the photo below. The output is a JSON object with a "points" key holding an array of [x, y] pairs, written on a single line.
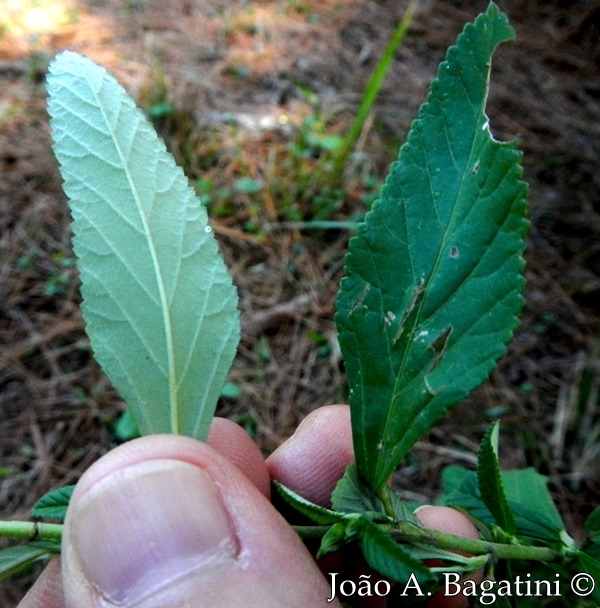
{"points": [[173, 409]]}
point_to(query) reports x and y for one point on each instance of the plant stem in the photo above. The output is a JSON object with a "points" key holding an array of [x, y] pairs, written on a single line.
{"points": [[426, 536], [410, 533], [30, 530], [27, 530], [371, 92]]}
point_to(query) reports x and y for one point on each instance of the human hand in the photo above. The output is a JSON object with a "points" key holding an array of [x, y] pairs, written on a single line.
{"points": [[166, 521]]}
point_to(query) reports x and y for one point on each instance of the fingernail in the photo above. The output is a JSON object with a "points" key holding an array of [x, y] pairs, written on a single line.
{"points": [[146, 526]]}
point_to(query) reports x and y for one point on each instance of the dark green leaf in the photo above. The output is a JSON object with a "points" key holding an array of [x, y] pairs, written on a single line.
{"points": [[592, 524], [593, 549], [403, 511], [588, 565], [434, 275], [19, 558], [333, 540], [465, 493], [53, 505], [125, 428], [528, 489], [319, 515], [490, 481], [387, 557], [534, 525], [453, 477], [528, 498], [351, 495]]}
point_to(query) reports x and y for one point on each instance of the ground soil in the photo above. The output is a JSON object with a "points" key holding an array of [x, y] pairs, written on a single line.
{"points": [[241, 77]]}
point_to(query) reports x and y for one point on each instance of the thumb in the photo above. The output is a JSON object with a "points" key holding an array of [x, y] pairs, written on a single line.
{"points": [[167, 521]]}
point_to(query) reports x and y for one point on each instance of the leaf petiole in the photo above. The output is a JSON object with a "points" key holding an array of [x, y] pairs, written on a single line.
{"points": [[384, 495]]}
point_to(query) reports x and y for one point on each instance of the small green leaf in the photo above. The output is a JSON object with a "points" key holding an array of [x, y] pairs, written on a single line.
{"points": [[319, 515], [528, 489], [333, 540], [592, 524], [581, 585], [125, 427], [158, 302], [528, 498], [351, 495], [387, 557], [592, 548], [490, 481], [453, 477], [247, 185], [19, 558], [231, 391], [53, 505], [434, 279]]}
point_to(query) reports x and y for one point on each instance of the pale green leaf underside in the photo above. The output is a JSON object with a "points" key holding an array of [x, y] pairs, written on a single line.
{"points": [[434, 275], [159, 304]]}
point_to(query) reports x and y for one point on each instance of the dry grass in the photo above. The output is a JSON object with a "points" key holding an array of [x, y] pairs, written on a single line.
{"points": [[284, 63]]}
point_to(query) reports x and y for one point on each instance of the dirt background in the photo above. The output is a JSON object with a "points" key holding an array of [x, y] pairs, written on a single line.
{"points": [[245, 94]]}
